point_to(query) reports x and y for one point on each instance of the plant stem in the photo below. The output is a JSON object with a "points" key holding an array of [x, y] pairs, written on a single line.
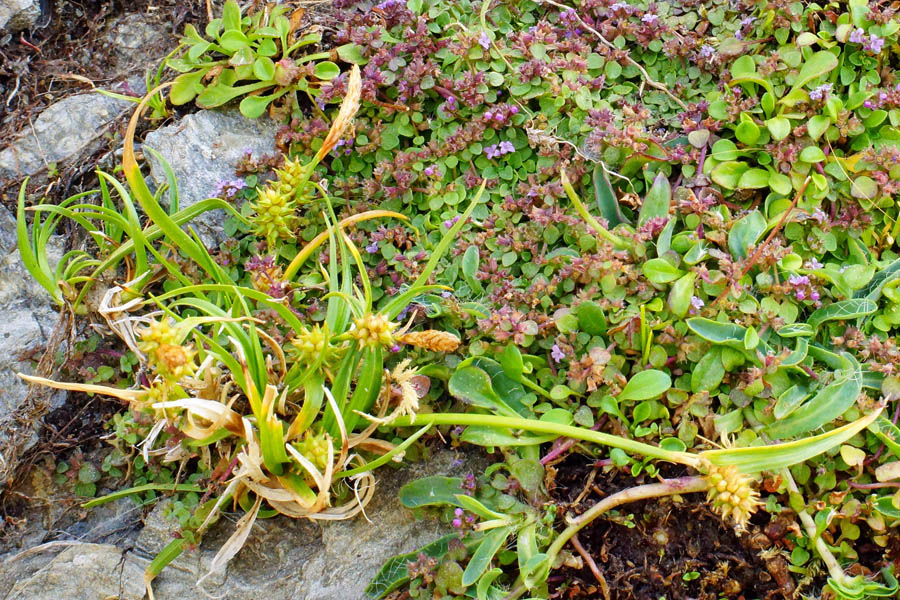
{"points": [[834, 567], [535, 426], [668, 487]]}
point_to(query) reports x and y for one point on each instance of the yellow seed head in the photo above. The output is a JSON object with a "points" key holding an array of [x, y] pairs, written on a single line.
{"points": [[161, 344], [309, 344], [291, 177], [432, 339], [275, 216], [373, 329], [731, 494]]}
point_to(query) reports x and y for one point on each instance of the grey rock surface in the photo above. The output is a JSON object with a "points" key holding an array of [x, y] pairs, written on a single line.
{"points": [[29, 317], [79, 572], [16, 15], [288, 559], [203, 149], [138, 40], [64, 131]]}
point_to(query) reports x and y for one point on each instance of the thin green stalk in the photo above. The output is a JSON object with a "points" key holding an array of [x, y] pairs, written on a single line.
{"points": [[588, 218], [834, 567], [536, 426]]}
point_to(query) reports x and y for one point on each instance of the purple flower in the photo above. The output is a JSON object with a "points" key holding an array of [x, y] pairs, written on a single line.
{"points": [[484, 40], [429, 170], [649, 18], [618, 6], [506, 147], [875, 44], [798, 280], [458, 512], [819, 216], [372, 248], [446, 294], [868, 104], [882, 97], [513, 110], [821, 92], [395, 348], [457, 523], [813, 264], [707, 52], [696, 303], [451, 222], [227, 188], [492, 151], [800, 295], [556, 353], [858, 36], [814, 296]]}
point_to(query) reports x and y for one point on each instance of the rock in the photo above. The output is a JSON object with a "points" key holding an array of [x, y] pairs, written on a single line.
{"points": [[203, 149], [138, 41], [16, 15], [63, 132], [79, 572], [289, 559], [29, 318]]}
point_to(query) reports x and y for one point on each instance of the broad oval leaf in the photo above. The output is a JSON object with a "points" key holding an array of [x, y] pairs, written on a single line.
{"points": [[430, 491], [659, 270], [817, 65], [485, 552], [746, 232], [708, 372], [646, 385]]}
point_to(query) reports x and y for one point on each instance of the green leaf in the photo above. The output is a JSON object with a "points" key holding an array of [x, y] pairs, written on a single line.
{"points": [[812, 154], [780, 183], [826, 406], [606, 199], [485, 552], [728, 174], [753, 179], [681, 293], [790, 400], [231, 16], [797, 330], [473, 385], [645, 385], [708, 372], [817, 65], [779, 127], [431, 491], [842, 310], [745, 233], [817, 125], [656, 202], [747, 132], [778, 456], [591, 318], [395, 572], [659, 270], [327, 70], [186, 87], [511, 361], [351, 53], [264, 68]]}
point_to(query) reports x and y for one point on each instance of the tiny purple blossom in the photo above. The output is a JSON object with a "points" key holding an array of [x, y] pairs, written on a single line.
{"points": [[649, 18], [798, 280], [819, 216], [457, 523], [858, 36], [506, 147], [556, 353], [814, 296], [821, 92], [800, 295], [707, 52], [882, 96], [484, 40], [875, 44], [451, 222], [618, 6], [446, 294], [492, 151], [372, 248], [813, 264], [458, 512], [429, 171], [697, 303], [868, 104], [395, 348], [513, 110]]}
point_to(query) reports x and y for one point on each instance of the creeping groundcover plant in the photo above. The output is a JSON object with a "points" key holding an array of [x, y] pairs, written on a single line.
{"points": [[656, 237]]}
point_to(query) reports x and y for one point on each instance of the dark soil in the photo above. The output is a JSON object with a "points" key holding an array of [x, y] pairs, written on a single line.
{"points": [[662, 549]]}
